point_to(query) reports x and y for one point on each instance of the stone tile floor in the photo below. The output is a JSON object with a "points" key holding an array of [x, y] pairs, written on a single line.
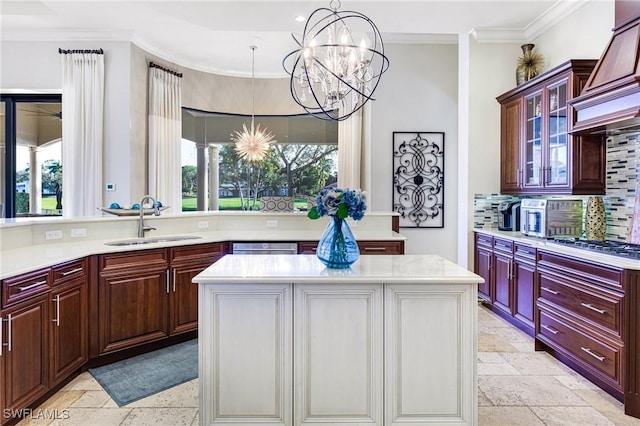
{"points": [[517, 386]]}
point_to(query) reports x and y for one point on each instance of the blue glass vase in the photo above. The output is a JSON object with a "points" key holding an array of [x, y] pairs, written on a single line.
{"points": [[338, 247]]}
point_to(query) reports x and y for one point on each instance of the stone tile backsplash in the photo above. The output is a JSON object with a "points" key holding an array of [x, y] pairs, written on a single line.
{"points": [[623, 168]]}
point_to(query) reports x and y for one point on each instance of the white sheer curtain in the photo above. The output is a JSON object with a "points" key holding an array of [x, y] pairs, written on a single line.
{"points": [[165, 138], [350, 150], [83, 106]]}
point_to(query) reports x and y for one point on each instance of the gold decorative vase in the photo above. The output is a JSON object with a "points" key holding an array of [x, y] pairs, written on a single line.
{"points": [[595, 224], [529, 64]]}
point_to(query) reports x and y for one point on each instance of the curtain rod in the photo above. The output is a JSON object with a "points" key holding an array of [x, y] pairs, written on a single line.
{"points": [[152, 65], [64, 52]]}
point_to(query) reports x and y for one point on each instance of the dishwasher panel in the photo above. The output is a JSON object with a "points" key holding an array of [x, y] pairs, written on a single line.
{"points": [[264, 248]]}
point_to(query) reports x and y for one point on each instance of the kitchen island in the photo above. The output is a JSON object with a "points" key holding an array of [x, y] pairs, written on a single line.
{"points": [[286, 341]]}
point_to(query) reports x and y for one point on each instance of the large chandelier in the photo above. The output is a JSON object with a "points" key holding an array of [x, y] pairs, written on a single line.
{"points": [[252, 144], [332, 75]]}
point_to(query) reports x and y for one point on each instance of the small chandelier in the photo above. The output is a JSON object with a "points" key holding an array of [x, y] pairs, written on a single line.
{"points": [[252, 144], [332, 76]]}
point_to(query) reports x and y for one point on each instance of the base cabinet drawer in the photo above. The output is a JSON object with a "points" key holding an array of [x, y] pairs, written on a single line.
{"points": [[589, 349], [601, 308]]}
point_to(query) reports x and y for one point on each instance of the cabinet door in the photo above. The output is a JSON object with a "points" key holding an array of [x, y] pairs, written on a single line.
{"points": [[246, 348], [338, 354], [133, 308], [533, 142], [26, 354], [523, 279], [183, 300], [557, 158], [510, 131], [68, 329], [483, 268], [502, 276]]}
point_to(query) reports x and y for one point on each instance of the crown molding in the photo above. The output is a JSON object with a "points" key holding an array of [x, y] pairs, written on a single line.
{"points": [[556, 13], [550, 17]]}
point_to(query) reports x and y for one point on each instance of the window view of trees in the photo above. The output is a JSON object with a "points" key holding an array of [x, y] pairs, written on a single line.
{"points": [[302, 161]]}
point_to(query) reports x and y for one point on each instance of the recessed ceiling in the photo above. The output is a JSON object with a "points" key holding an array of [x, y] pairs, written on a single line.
{"points": [[214, 35]]}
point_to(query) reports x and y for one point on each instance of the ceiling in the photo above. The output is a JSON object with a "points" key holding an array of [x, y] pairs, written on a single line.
{"points": [[214, 35]]}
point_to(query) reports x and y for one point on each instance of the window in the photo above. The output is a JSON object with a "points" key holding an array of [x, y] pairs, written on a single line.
{"points": [[30, 158], [299, 165]]}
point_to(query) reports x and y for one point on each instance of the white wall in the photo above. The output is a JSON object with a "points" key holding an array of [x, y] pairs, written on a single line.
{"points": [[418, 93], [36, 67]]}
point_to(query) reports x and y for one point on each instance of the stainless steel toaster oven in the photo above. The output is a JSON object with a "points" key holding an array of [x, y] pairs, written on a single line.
{"points": [[551, 218]]}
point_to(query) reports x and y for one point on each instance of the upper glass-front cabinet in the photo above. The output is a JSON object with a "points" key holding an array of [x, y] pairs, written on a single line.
{"points": [[533, 141], [558, 152], [539, 152]]}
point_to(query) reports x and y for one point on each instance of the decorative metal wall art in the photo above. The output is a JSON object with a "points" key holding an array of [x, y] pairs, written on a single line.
{"points": [[418, 179]]}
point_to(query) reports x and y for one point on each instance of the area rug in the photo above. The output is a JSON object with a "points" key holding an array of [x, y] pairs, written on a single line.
{"points": [[143, 375]]}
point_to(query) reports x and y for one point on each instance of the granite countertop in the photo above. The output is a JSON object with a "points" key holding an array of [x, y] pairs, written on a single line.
{"points": [[279, 268], [549, 245], [25, 259]]}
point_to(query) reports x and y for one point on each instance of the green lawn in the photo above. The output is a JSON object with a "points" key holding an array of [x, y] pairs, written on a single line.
{"points": [[188, 203]]}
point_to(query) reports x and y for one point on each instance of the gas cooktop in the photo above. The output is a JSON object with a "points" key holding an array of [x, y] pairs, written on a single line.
{"points": [[615, 248]]}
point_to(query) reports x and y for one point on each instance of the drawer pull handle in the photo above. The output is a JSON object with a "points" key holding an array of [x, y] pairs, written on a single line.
{"points": [[548, 290], [73, 271], [1, 344], [34, 285], [549, 329], [593, 308], [374, 249], [593, 354]]}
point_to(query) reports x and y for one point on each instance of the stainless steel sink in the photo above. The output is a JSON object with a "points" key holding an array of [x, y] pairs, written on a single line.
{"points": [[151, 240]]}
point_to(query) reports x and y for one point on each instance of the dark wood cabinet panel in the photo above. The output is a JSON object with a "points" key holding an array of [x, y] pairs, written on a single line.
{"points": [[26, 331], [183, 301], [524, 282], [69, 346], [133, 308], [510, 135], [25, 286], [483, 258], [503, 285]]}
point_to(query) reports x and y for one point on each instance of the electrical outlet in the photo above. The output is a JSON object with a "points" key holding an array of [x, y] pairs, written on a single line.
{"points": [[272, 224], [53, 235], [78, 232], [203, 224]]}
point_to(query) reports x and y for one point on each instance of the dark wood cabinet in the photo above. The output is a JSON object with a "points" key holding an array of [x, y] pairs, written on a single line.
{"points": [[581, 315], [510, 170], [25, 332], [366, 247], [69, 324], [146, 296], [186, 263], [133, 293], [509, 270], [503, 284], [483, 266], [539, 154]]}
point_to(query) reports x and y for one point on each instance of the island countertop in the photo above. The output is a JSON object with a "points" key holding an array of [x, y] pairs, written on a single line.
{"points": [[407, 269]]}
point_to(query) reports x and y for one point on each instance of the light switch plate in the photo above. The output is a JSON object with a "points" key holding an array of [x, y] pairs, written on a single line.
{"points": [[272, 224], [203, 224]]}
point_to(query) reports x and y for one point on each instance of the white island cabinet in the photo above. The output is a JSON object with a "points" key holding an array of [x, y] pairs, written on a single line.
{"points": [[286, 341]]}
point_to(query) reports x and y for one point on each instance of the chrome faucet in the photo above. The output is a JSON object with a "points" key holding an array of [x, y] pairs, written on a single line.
{"points": [[156, 211]]}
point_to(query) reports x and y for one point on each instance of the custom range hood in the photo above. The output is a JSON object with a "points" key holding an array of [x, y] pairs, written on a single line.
{"points": [[610, 101]]}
